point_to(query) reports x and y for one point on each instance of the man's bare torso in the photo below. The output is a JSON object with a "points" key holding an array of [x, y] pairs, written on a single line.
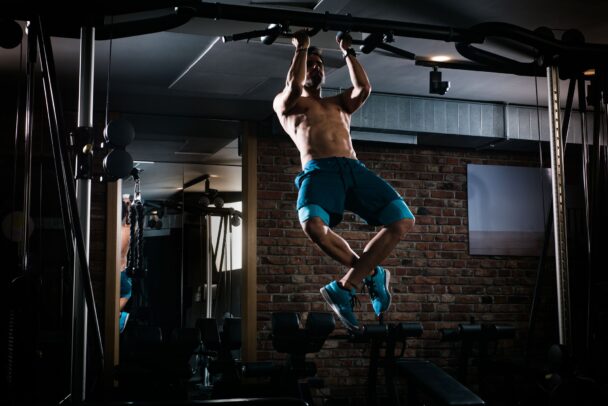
{"points": [[319, 127]]}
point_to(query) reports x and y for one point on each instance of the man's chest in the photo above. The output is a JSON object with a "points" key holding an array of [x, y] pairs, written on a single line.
{"points": [[318, 107]]}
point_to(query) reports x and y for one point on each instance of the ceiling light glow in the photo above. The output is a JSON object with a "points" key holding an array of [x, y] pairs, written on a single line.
{"points": [[440, 58]]}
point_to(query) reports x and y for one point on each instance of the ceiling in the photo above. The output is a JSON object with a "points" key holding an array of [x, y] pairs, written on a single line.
{"points": [[185, 90]]}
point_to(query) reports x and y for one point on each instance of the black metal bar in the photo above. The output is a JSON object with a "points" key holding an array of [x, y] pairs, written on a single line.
{"points": [[372, 375], [597, 108], [224, 229], [582, 106], [27, 144], [577, 52], [60, 24], [57, 129], [594, 191], [581, 53], [217, 211], [568, 112], [61, 178], [94, 15], [252, 34], [217, 247], [195, 181], [475, 67], [331, 22], [494, 61], [397, 51], [390, 368]]}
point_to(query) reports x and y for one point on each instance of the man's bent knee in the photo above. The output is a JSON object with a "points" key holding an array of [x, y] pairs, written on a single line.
{"points": [[314, 220], [315, 229], [401, 227]]}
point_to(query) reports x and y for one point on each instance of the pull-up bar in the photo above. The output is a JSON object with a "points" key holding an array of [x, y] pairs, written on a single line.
{"points": [[187, 9], [573, 54]]}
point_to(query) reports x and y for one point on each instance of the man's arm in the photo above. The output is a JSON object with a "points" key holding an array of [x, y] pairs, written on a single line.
{"points": [[285, 100], [355, 97]]}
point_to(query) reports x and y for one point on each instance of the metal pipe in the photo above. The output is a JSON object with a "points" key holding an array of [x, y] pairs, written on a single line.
{"points": [[184, 10], [548, 223], [27, 145], [559, 207], [582, 106], [333, 22], [83, 197], [61, 160], [209, 270]]}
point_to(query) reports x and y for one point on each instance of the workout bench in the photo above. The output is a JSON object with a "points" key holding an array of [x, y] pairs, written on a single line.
{"points": [[425, 377]]}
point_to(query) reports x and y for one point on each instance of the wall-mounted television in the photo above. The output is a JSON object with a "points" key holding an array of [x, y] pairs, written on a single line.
{"points": [[507, 208]]}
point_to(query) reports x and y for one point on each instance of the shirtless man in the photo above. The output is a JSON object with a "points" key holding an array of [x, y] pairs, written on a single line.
{"points": [[333, 180]]}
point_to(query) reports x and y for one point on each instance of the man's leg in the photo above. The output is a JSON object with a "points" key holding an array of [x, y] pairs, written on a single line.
{"points": [[331, 243], [340, 294], [379, 247], [339, 298]]}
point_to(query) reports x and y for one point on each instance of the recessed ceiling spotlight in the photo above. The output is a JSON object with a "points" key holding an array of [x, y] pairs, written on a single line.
{"points": [[440, 58]]}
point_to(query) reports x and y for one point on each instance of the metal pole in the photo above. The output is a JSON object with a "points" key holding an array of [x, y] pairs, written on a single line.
{"points": [[559, 207], [209, 269], [83, 195], [331, 22], [582, 106], [27, 140]]}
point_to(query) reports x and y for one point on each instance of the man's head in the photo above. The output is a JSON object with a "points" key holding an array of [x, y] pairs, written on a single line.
{"points": [[315, 71]]}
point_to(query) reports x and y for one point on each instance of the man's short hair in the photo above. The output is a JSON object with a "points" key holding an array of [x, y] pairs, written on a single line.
{"points": [[316, 51]]}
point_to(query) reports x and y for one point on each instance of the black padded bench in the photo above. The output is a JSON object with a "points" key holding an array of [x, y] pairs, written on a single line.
{"points": [[425, 377]]}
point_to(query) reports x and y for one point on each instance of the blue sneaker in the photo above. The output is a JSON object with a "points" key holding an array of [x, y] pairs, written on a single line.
{"points": [[122, 322], [377, 286], [341, 302]]}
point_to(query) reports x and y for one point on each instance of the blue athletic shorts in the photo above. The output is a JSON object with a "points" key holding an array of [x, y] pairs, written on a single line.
{"points": [[328, 186], [125, 285]]}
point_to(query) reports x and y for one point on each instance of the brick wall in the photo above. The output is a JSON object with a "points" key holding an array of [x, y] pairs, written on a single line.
{"points": [[434, 280]]}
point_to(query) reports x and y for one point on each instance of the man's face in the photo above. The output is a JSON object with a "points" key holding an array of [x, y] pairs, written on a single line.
{"points": [[315, 73]]}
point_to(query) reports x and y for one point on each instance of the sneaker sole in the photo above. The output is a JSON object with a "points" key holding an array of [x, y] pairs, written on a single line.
{"points": [[336, 310], [390, 297]]}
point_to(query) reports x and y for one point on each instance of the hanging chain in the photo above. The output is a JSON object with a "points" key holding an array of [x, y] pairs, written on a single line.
{"points": [[136, 245]]}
